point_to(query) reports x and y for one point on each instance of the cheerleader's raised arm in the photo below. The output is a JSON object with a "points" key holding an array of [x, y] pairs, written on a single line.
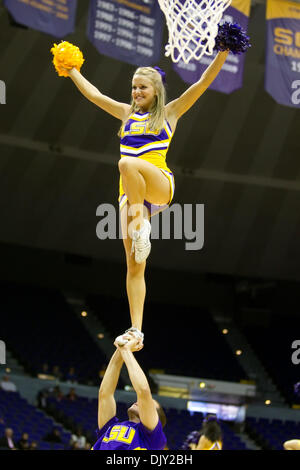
{"points": [[68, 60]]}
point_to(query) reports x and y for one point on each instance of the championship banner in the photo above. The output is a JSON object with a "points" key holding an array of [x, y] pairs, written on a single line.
{"points": [[230, 78], [282, 79], [127, 30], [54, 17]]}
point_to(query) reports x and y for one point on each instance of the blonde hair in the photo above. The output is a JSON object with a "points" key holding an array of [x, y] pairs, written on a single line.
{"points": [[157, 110]]}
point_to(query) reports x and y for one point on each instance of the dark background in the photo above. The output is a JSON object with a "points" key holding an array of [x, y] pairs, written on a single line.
{"points": [[237, 154]]}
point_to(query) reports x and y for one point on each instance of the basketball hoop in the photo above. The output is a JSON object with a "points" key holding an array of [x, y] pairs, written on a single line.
{"points": [[192, 26]]}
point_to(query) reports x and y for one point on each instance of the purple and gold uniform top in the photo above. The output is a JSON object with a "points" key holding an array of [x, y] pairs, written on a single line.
{"points": [[126, 435], [138, 141]]}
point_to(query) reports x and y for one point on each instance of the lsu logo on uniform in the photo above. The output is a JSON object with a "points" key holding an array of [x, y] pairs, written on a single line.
{"points": [[120, 434], [139, 128]]}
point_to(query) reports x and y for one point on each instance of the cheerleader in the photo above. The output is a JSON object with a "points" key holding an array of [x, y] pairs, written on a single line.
{"points": [[208, 438], [146, 184]]}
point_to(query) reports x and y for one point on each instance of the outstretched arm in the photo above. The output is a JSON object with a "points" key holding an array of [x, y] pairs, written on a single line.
{"points": [[106, 401], [175, 109], [116, 109], [147, 408]]}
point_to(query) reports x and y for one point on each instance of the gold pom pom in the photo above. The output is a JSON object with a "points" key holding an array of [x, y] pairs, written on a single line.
{"points": [[66, 56]]}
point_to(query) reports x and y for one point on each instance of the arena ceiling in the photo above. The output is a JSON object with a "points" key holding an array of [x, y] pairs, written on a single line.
{"points": [[237, 154]]}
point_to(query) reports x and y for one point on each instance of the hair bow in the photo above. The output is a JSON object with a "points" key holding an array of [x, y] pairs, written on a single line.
{"points": [[162, 73]]}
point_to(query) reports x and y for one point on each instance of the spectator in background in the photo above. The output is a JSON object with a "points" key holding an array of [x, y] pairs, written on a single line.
{"points": [[7, 385], [23, 443], [42, 398], [75, 446], [33, 445], [78, 438], [71, 376], [87, 446], [45, 369], [72, 395], [56, 372], [53, 436], [57, 393], [7, 440]]}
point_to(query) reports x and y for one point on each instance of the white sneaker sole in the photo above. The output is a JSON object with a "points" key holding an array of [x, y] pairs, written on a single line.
{"points": [[140, 257]]}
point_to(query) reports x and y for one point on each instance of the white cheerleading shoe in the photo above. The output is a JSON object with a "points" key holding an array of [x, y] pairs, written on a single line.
{"points": [[141, 245], [137, 333]]}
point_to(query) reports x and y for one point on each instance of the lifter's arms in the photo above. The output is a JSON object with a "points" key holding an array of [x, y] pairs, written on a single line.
{"points": [[106, 401], [176, 108], [147, 408], [115, 108], [293, 444]]}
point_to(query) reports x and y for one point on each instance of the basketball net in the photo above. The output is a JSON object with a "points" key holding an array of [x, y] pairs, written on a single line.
{"points": [[192, 26]]}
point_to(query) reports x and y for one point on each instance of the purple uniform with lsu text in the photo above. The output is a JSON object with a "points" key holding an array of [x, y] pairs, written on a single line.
{"points": [[127, 435]]}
